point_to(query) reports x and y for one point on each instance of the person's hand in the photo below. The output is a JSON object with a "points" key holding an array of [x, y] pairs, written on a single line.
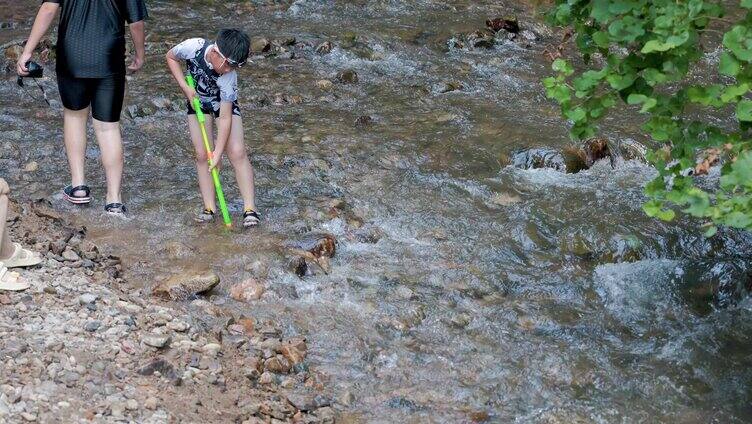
{"points": [[136, 63], [190, 94], [4, 189], [21, 64], [216, 160]]}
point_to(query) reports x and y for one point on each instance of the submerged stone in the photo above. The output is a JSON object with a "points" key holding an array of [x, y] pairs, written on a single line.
{"points": [[348, 76]]}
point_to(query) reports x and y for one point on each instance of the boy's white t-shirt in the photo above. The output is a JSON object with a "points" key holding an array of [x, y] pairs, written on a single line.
{"points": [[227, 83]]}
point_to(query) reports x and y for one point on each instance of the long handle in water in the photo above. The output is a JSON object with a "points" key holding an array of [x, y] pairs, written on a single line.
{"points": [[207, 146]]}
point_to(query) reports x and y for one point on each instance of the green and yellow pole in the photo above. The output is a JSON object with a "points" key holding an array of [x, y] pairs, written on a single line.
{"points": [[208, 147]]}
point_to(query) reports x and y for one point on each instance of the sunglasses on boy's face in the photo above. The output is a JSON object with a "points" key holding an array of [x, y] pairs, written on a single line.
{"points": [[232, 63]]}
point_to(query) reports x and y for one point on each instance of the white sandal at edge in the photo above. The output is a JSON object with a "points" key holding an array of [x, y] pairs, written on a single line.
{"points": [[22, 258], [11, 280]]}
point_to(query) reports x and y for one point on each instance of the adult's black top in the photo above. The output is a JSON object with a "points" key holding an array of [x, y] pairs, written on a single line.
{"points": [[91, 35]]}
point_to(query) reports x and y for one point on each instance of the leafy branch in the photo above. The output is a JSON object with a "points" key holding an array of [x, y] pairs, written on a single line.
{"points": [[640, 53]]}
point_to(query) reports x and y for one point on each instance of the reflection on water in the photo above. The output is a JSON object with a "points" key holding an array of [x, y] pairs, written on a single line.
{"points": [[461, 288]]}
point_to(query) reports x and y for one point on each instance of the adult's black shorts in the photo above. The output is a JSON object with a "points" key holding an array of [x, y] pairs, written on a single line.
{"points": [[104, 95]]}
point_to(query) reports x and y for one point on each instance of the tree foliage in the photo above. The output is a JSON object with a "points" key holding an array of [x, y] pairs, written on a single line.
{"points": [[643, 53]]}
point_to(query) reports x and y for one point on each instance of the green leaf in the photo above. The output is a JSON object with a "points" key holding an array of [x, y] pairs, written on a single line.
{"points": [[706, 96], [744, 110], [562, 66], [561, 93], [626, 29], [601, 39], [655, 46], [698, 201], [738, 41], [729, 65], [739, 174], [600, 11], [654, 77], [695, 7], [738, 220], [647, 102], [577, 114], [710, 232], [620, 82], [655, 209], [747, 4], [733, 92]]}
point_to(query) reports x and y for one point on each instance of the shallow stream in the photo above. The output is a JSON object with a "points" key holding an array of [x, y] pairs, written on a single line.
{"points": [[462, 288]]}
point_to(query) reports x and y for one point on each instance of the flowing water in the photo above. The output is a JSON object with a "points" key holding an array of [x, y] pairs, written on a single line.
{"points": [[474, 290]]}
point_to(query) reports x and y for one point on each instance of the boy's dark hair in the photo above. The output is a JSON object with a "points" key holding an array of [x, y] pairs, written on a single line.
{"points": [[234, 44]]}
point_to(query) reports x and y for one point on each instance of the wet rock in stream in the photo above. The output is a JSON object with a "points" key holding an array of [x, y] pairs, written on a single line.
{"points": [[311, 251], [247, 291], [497, 31], [187, 284], [572, 159], [507, 23], [324, 48], [260, 45], [539, 158], [348, 76]]}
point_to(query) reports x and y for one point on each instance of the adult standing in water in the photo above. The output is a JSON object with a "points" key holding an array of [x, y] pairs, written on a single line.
{"points": [[91, 75]]}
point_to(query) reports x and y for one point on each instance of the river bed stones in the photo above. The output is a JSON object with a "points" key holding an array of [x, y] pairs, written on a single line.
{"points": [[247, 291], [188, 284]]}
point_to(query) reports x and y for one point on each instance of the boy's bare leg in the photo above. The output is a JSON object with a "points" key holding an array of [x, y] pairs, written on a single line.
{"points": [[111, 148], [205, 183], [243, 169], [6, 247], [74, 134]]}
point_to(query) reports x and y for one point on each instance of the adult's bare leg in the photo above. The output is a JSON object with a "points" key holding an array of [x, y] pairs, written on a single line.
{"points": [[74, 135], [111, 148]]}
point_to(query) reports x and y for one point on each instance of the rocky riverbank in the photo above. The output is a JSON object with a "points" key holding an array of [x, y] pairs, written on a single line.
{"points": [[84, 344]]}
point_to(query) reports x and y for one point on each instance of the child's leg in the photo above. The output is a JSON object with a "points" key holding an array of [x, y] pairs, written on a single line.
{"points": [[239, 159], [205, 184]]}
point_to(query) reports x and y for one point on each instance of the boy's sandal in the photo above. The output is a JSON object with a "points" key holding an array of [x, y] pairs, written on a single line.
{"points": [[204, 217], [115, 209], [250, 218], [11, 281], [22, 258], [70, 195]]}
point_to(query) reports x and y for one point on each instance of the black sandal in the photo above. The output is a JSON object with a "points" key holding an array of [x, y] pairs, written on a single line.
{"points": [[69, 193], [206, 216], [117, 209], [250, 218]]}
